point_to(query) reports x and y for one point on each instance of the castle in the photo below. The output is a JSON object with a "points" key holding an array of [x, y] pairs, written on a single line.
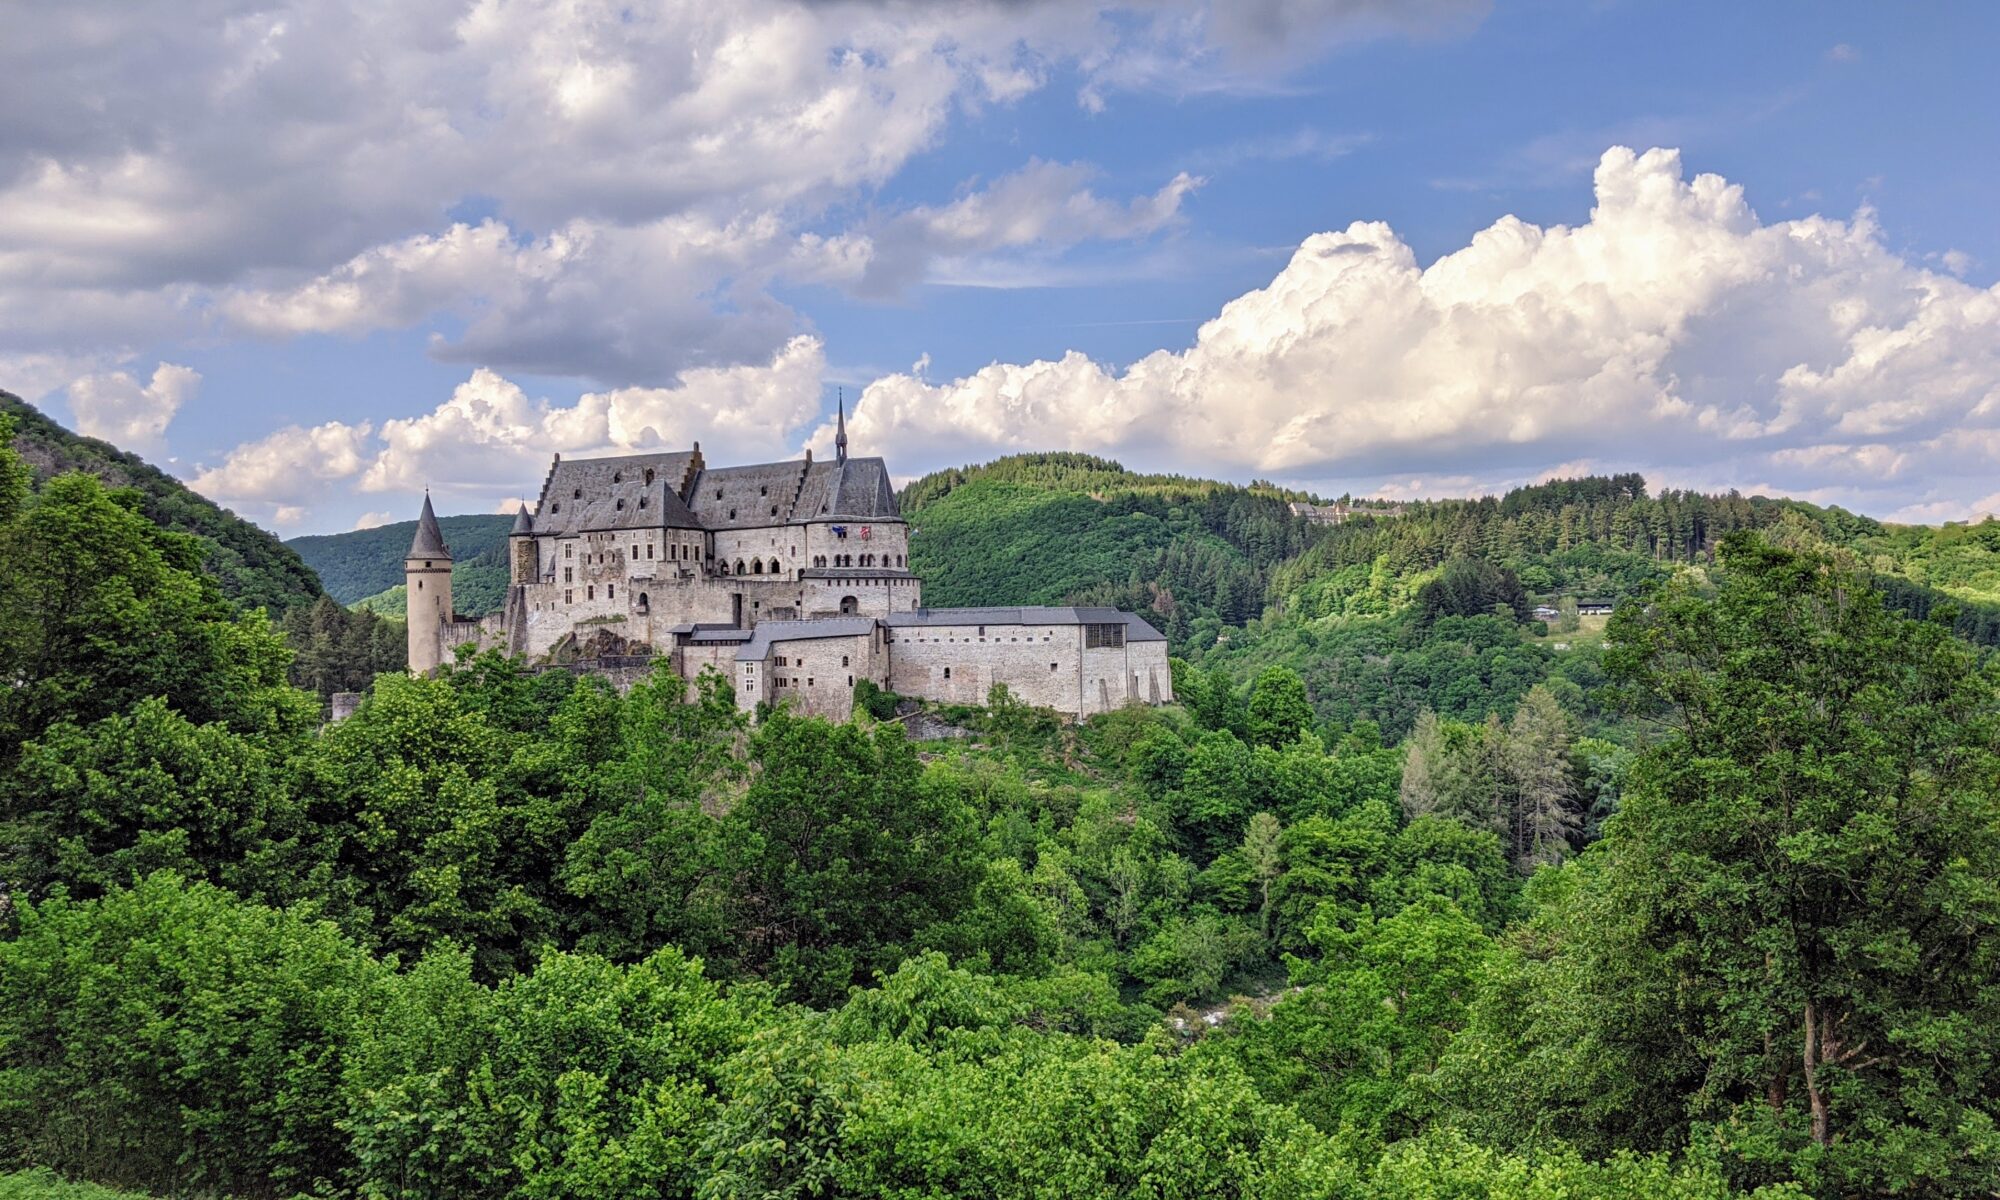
{"points": [[791, 579]]}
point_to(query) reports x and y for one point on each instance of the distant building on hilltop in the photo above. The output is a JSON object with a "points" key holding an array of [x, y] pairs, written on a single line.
{"points": [[1336, 513], [789, 579]]}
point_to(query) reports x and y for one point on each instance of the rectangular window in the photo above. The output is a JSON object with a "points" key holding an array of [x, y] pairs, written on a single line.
{"points": [[610, 591], [590, 592], [569, 597], [947, 672], [649, 550], [1103, 637], [569, 549], [843, 660], [809, 681]]}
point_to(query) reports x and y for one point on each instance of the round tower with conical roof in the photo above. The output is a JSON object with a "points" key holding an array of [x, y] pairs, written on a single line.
{"points": [[522, 555], [427, 580]]}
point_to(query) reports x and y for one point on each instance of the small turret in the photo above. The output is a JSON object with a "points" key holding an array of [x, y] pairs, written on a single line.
{"points": [[427, 588], [523, 558], [840, 428]]}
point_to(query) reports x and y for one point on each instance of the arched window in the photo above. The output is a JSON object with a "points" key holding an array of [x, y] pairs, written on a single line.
{"points": [[849, 606], [649, 476], [643, 602], [756, 566], [739, 566], [722, 568], [774, 567]]}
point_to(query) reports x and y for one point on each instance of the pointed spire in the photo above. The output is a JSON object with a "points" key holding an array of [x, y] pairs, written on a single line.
{"points": [[840, 437], [523, 523], [429, 542]]}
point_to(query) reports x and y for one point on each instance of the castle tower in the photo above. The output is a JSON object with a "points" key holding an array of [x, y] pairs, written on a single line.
{"points": [[522, 557], [427, 580]]}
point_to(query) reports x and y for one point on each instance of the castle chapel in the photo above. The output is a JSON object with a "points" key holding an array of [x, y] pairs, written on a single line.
{"points": [[791, 579]]}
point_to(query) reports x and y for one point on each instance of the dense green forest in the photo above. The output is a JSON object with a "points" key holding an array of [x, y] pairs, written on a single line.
{"points": [[366, 566], [1705, 907], [252, 566], [332, 649]]}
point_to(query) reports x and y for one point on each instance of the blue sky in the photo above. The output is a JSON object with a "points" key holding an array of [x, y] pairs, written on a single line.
{"points": [[317, 256]]}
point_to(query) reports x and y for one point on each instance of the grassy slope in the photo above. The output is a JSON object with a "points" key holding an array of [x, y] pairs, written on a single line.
{"points": [[253, 566], [365, 564]]}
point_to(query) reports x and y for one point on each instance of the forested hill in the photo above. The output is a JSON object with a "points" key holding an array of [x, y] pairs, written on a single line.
{"points": [[1071, 528], [367, 563], [252, 566]]}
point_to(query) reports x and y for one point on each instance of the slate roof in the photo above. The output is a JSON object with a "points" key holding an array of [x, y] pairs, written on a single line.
{"points": [[749, 493], [758, 648], [855, 573], [429, 542], [711, 632], [1136, 629], [584, 495], [857, 489], [523, 523]]}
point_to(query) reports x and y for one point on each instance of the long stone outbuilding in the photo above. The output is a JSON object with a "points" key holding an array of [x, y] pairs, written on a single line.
{"points": [[791, 580]]}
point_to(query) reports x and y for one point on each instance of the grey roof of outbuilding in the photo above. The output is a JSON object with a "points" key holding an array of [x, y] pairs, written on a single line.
{"points": [[582, 495], [855, 573], [429, 541], [766, 633], [702, 632], [1136, 628]]}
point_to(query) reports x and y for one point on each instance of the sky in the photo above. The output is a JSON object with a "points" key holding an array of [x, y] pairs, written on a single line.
{"points": [[316, 256]]}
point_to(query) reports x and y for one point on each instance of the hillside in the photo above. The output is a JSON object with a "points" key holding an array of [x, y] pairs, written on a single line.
{"points": [[252, 566], [1192, 555], [365, 564]]}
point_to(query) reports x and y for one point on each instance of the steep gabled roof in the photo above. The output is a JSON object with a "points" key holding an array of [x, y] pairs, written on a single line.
{"points": [[746, 497], [633, 491], [855, 490], [429, 542]]}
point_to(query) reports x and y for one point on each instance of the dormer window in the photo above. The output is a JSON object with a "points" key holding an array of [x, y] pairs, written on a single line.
{"points": [[618, 477], [619, 505], [649, 476], [642, 502], [732, 514], [763, 490], [577, 495], [718, 493], [555, 506]]}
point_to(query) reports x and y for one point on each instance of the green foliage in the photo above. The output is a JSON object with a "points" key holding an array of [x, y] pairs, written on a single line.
{"points": [[508, 933], [104, 609], [174, 1039], [871, 699], [249, 565], [1072, 529], [1278, 711], [848, 856], [39, 1183], [340, 650]]}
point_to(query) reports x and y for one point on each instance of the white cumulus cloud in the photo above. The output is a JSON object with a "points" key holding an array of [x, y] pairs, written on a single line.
{"points": [[129, 414], [1674, 331]]}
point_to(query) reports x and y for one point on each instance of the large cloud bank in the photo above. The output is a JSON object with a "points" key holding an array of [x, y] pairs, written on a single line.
{"points": [[583, 188], [1674, 332]]}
